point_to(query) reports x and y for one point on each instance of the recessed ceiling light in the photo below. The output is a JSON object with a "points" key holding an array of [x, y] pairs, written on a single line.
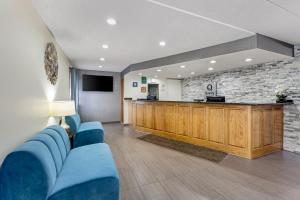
{"points": [[179, 76], [210, 69], [182, 66], [192, 73], [212, 62], [102, 59], [158, 70], [105, 46], [111, 21], [248, 59], [100, 66], [162, 43], [140, 74], [153, 80]]}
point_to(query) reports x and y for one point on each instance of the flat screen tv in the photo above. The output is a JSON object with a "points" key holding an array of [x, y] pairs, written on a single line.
{"points": [[97, 83]]}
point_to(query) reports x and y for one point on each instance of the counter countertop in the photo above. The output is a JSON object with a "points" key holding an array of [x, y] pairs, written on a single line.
{"points": [[229, 103]]}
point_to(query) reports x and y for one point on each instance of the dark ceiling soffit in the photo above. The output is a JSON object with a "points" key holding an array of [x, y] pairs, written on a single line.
{"points": [[273, 45], [248, 43]]}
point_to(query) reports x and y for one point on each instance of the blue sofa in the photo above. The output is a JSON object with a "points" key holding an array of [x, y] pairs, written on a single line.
{"points": [[85, 133], [45, 167]]}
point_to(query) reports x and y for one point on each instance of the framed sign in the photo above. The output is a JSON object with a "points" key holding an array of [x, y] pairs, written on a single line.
{"points": [[144, 80], [211, 89], [143, 89], [134, 84]]}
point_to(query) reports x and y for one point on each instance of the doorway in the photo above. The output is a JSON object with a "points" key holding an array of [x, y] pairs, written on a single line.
{"points": [[153, 91]]}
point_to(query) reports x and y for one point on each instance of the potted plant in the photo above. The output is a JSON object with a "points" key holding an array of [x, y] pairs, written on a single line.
{"points": [[281, 94]]}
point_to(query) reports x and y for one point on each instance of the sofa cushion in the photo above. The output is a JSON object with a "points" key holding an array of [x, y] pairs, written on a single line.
{"points": [[88, 173], [27, 173], [53, 148], [90, 126], [62, 132], [74, 122], [89, 133], [59, 141]]}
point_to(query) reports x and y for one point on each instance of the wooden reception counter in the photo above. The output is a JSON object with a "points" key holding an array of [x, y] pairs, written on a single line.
{"points": [[246, 130]]}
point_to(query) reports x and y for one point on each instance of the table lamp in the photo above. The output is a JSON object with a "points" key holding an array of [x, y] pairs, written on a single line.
{"points": [[62, 109]]}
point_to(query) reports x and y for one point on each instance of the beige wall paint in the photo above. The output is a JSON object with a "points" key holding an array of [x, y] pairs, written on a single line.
{"points": [[24, 89]]}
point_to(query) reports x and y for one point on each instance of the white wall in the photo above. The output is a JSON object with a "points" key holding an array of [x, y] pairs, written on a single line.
{"points": [[133, 92], [25, 91], [169, 90]]}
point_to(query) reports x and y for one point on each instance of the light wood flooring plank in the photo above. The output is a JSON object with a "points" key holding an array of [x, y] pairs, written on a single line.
{"points": [[149, 172]]}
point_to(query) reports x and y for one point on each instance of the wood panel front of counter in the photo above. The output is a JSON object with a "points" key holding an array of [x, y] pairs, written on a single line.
{"points": [[249, 131]]}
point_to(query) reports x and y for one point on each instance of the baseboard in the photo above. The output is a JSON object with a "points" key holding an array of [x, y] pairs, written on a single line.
{"points": [[112, 122]]}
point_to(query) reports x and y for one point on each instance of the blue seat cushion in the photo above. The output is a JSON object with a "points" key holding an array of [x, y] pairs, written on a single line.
{"points": [[88, 173], [89, 133], [86, 126]]}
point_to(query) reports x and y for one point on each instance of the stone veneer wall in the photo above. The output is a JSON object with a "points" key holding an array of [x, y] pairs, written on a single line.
{"points": [[256, 83]]}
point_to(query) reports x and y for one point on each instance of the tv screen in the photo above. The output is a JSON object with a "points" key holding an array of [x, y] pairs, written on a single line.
{"points": [[97, 83]]}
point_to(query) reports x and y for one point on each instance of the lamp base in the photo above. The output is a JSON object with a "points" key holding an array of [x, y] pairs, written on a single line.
{"points": [[63, 123]]}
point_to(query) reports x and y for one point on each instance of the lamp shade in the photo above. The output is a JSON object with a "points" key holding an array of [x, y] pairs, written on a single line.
{"points": [[62, 108]]}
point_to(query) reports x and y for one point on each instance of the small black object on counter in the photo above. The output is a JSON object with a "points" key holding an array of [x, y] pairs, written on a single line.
{"points": [[199, 100], [215, 99]]}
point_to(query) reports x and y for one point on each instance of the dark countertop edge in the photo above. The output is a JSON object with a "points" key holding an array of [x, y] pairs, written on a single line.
{"points": [[229, 103]]}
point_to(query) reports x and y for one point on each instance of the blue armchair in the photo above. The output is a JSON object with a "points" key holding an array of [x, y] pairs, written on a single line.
{"points": [[85, 133], [45, 168]]}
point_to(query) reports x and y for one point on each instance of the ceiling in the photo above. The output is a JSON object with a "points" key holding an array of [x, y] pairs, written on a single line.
{"points": [[223, 62], [80, 28]]}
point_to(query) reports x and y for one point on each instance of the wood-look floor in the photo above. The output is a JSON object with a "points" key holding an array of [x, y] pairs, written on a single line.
{"points": [[151, 172]]}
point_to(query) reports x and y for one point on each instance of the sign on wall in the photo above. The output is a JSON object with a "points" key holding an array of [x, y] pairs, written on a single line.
{"points": [[144, 80], [211, 89], [134, 84], [143, 89]]}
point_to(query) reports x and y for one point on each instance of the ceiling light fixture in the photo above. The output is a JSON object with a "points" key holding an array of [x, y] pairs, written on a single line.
{"points": [[162, 43], [210, 69], [153, 80], [111, 21], [100, 66], [182, 66], [248, 59], [179, 76], [105, 46], [158, 70], [155, 76], [192, 73], [140, 74], [212, 62], [102, 59]]}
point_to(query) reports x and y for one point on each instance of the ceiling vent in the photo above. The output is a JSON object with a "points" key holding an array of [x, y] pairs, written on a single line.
{"points": [[297, 50]]}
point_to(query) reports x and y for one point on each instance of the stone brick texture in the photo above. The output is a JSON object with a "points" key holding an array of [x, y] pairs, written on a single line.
{"points": [[256, 84]]}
